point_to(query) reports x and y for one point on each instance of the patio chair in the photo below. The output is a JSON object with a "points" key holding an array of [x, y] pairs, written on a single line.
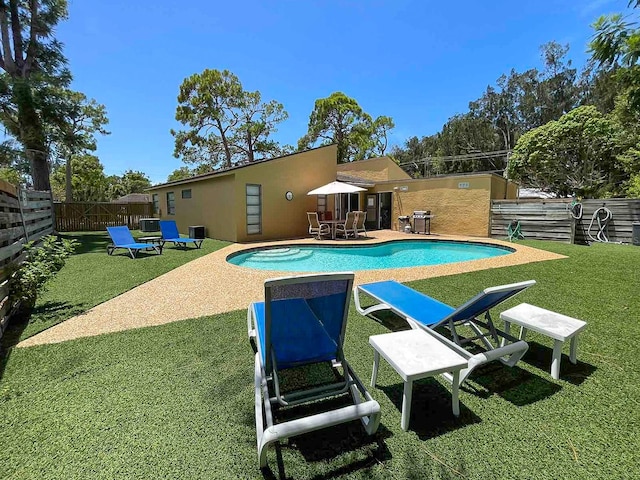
{"points": [[301, 323], [122, 238], [426, 313], [361, 217], [347, 228], [169, 231], [317, 229]]}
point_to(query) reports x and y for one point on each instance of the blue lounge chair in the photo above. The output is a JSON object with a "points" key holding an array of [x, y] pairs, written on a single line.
{"points": [[426, 313], [122, 238], [169, 231], [302, 322]]}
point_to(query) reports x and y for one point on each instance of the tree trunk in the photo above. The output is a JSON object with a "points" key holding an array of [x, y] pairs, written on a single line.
{"points": [[39, 169], [225, 143], [250, 154], [68, 193], [32, 136]]}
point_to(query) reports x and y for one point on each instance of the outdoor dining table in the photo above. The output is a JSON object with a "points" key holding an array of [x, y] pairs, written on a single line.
{"points": [[332, 224]]}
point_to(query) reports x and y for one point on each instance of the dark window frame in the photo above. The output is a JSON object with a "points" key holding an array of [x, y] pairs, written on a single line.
{"points": [[155, 199], [186, 191], [259, 224], [171, 203]]}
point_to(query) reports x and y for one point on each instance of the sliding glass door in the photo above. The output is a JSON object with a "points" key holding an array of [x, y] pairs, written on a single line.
{"points": [[347, 202]]}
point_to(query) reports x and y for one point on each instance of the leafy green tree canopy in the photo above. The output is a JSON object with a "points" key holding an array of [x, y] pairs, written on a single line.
{"points": [[225, 124], [88, 179], [340, 119], [80, 119], [11, 175], [180, 174], [34, 68], [616, 46], [574, 155]]}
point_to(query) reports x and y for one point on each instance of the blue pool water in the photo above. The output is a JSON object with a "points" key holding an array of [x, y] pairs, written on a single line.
{"points": [[302, 258]]}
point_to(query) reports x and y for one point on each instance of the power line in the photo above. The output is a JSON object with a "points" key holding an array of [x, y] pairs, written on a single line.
{"points": [[459, 158]]}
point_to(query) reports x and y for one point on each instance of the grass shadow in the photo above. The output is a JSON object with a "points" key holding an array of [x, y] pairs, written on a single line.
{"points": [[11, 337], [338, 441], [539, 356], [89, 242], [40, 314], [330, 443], [390, 320], [431, 414], [514, 384]]}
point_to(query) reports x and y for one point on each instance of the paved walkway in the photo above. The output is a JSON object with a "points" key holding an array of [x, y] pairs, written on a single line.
{"points": [[209, 285]]}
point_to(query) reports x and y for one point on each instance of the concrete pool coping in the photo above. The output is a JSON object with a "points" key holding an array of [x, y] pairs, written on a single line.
{"points": [[210, 285]]}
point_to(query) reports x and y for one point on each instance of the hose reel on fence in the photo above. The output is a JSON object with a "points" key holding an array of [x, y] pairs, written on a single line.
{"points": [[602, 216]]}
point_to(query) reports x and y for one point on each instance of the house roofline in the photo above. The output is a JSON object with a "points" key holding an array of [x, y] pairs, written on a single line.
{"points": [[227, 171], [447, 175]]}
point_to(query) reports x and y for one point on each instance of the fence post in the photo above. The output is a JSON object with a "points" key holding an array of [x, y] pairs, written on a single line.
{"points": [[53, 214], [24, 224]]}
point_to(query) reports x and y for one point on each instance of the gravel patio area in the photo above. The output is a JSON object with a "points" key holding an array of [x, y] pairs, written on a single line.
{"points": [[209, 285]]}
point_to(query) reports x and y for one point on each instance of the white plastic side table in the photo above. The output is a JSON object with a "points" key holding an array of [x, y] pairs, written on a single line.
{"points": [[415, 354], [551, 324]]}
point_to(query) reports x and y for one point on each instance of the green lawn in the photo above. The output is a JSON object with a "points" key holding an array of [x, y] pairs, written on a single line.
{"points": [[176, 401], [91, 277]]}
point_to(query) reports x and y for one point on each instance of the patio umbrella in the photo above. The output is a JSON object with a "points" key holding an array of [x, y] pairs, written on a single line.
{"points": [[335, 188]]}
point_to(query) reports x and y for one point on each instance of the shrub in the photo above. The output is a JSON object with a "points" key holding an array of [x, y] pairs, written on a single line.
{"points": [[41, 263]]}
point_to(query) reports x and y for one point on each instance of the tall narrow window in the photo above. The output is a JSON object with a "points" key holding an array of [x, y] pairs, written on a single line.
{"points": [[171, 203], [322, 203], [254, 209], [156, 203]]}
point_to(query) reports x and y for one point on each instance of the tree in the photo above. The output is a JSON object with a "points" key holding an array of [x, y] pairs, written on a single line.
{"points": [[615, 46], [339, 119], [558, 92], [88, 179], [466, 134], [11, 175], [226, 123], [130, 182], [574, 155], [33, 63], [381, 128], [180, 174], [80, 120], [135, 181], [257, 121]]}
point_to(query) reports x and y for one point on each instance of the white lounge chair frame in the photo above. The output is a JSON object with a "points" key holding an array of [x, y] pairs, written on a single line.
{"points": [[267, 386], [507, 353]]}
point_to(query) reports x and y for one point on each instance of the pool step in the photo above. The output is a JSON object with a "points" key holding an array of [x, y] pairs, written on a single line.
{"points": [[281, 255]]}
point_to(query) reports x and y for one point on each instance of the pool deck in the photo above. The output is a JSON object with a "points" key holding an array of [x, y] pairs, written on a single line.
{"points": [[210, 285]]}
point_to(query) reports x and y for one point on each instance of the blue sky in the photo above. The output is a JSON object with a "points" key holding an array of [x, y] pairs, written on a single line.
{"points": [[419, 62]]}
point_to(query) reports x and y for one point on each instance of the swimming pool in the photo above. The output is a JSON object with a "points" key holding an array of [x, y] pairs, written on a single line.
{"points": [[398, 254]]}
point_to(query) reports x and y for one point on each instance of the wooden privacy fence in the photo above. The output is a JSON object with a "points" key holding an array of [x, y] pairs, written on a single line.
{"points": [[24, 216], [97, 216], [551, 219]]}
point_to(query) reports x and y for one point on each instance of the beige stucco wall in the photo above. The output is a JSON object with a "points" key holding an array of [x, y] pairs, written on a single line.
{"points": [[461, 211], [502, 189], [298, 173], [219, 202], [375, 169], [211, 202]]}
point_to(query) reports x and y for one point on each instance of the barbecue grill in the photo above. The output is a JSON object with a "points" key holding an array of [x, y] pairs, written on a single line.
{"points": [[421, 221]]}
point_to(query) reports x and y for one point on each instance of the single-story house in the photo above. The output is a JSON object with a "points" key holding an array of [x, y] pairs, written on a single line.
{"points": [[268, 200]]}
